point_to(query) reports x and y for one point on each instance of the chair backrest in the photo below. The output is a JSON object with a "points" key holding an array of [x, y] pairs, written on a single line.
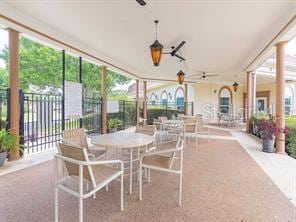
{"points": [[179, 145], [76, 153], [199, 123], [162, 118], [148, 130], [75, 137], [189, 125]]}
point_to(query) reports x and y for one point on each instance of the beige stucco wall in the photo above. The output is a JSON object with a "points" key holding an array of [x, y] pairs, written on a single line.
{"points": [[206, 96]]}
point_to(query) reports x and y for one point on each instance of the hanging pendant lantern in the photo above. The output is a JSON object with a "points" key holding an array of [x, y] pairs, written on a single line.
{"points": [[156, 49], [235, 86], [181, 76]]}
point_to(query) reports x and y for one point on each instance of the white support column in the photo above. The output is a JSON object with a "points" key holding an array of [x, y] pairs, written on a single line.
{"points": [[137, 101]]}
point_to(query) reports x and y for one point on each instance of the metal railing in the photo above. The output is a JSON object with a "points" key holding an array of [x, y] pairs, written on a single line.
{"points": [[41, 116]]}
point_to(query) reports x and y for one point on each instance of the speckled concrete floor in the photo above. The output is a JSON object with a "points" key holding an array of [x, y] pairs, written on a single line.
{"points": [[221, 183]]}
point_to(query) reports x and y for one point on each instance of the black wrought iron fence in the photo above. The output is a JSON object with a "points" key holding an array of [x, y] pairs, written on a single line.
{"points": [[42, 121], [3, 108], [125, 111], [92, 110], [42, 114], [155, 110]]}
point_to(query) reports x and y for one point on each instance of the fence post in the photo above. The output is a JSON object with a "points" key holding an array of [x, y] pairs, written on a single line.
{"points": [[104, 100], [166, 109], [80, 81], [22, 114], [63, 85], [123, 113]]}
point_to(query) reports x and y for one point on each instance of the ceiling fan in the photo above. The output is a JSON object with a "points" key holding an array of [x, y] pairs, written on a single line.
{"points": [[204, 75], [141, 2], [175, 50]]}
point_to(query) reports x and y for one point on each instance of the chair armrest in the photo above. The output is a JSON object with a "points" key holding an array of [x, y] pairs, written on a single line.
{"points": [[160, 152], [87, 163]]}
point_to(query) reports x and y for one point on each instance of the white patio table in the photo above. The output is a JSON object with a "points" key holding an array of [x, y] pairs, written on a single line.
{"points": [[124, 140]]}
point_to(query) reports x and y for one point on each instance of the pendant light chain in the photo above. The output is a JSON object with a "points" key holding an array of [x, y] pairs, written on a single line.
{"points": [[156, 22]]}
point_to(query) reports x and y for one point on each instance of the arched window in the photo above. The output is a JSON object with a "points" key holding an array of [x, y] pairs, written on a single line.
{"points": [[225, 100], [164, 98], [153, 99], [288, 100], [179, 98]]}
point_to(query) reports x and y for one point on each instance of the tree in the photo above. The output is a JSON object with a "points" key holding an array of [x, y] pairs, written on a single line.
{"points": [[41, 70]]}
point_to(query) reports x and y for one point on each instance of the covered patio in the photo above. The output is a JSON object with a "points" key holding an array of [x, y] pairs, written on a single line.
{"points": [[221, 183], [147, 111]]}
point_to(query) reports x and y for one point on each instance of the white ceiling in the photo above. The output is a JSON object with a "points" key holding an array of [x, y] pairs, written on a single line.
{"points": [[221, 36]]}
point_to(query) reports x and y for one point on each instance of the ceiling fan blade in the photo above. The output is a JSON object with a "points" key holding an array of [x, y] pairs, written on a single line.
{"points": [[178, 47], [212, 75], [180, 57], [141, 2], [166, 53], [194, 75]]}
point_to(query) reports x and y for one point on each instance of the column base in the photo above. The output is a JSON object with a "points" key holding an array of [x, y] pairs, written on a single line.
{"points": [[281, 152]]}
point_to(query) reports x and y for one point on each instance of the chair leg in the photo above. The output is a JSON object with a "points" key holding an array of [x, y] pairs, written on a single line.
{"points": [[149, 178], [180, 190], [80, 209], [107, 187], [140, 183], [94, 196], [56, 204], [131, 172], [121, 192], [196, 141]]}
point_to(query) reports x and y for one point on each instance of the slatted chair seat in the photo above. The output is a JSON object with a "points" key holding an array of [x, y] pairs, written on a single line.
{"points": [[103, 172], [157, 160]]}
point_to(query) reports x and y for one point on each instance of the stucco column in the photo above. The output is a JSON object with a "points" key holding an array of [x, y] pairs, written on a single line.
{"points": [[250, 99], [185, 99], [280, 95], [104, 100], [254, 78], [145, 101], [14, 88], [137, 101]]}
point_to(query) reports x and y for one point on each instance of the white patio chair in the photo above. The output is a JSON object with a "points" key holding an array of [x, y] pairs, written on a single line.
{"points": [[190, 127], [77, 137], [163, 161], [200, 128], [96, 173], [162, 118]]}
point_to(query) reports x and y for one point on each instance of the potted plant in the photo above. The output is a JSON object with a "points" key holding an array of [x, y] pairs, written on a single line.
{"points": [[113, 124], [268, 130], [7, 141]]}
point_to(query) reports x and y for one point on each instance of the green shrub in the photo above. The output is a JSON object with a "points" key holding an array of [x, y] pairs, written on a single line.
{"points": [[291, 143], [114, 123]]}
